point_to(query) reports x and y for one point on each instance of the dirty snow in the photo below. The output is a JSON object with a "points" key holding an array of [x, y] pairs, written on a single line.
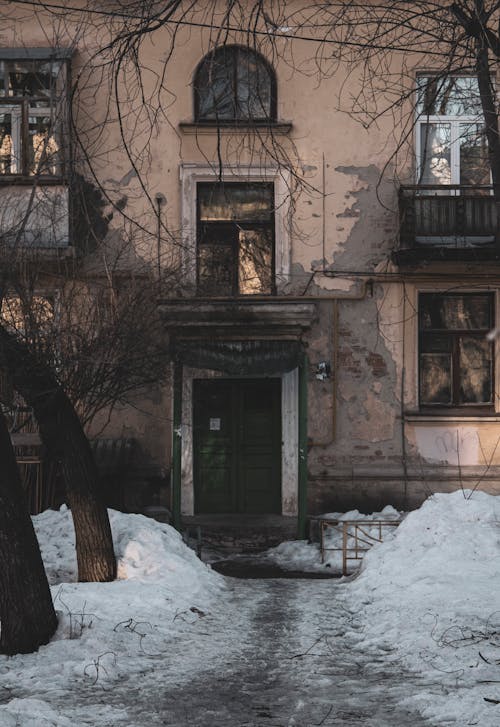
{"points": [[414, 639]]}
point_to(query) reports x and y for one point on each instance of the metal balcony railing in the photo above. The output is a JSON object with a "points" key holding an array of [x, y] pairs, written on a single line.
{"points": [[447, 216]]}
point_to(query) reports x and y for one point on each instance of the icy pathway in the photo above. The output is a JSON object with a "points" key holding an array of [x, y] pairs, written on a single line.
{"points": [[278, 653]]}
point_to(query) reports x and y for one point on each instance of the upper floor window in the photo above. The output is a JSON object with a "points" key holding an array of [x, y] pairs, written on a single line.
{"points": [[455, 356], [233, 83], [32, 115], [235, 230], [450, 133]]}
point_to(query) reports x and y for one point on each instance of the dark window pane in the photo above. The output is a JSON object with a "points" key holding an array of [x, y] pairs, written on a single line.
{"points": [[449, 96], [475, 370], [253, 87], [435, 343], [215, 88], [215, 269], [233, 83], [217, 233], [455, 312], [455, 367], [31, 78], [255, 262], [435, 378], [242, 202]]}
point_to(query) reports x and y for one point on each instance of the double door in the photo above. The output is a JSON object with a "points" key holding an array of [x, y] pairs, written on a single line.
{"points": [[237, 446]]}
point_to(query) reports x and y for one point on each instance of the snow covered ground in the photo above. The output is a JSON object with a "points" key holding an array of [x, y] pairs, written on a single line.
{"points": [[106, 629], [434, 593], [417, 631]]}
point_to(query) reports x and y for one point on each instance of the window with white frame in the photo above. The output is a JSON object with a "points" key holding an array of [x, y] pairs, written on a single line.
{"points": [[455, 355], [32, 115], [450, 133]]}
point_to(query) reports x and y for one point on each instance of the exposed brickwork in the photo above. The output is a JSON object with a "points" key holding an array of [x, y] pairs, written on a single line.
{"points": [[377, 364]]}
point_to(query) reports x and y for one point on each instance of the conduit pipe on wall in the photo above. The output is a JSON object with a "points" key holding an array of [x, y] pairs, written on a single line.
{"points": [[175, 481], [334, 379], [303, 448], [160, 201]]}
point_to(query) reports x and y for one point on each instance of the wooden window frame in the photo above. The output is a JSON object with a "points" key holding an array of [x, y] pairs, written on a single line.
{"points": [[232, 52], [229, 228], [56, 107], [456, 407]]}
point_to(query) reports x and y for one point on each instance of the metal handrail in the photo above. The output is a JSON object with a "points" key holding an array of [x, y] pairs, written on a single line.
{"points": [[359, 535], [449, 216]]}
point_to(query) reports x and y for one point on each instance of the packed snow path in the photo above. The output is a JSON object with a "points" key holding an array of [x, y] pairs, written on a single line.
{"points": [[277, 653]]}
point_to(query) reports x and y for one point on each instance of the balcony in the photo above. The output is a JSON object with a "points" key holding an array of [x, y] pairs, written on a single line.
{"points": [[35, 217], [447, 222]]}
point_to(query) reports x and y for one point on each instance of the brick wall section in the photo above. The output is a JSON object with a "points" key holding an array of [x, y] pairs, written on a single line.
{"points": [[377, 364]]}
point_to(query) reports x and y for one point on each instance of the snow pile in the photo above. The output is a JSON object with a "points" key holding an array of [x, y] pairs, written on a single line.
{"points": [[431, 594], [300, 555], [56, 538], [31, 713], [106, 629], [146, 551]]}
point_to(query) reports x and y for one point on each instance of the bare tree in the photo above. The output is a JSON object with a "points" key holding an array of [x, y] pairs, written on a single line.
{"points": [[72, 344], [27, 615], [101, 340], [375, 46]]}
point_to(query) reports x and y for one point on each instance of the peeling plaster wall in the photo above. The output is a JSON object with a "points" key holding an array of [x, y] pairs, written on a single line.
{"points": [[354, 420], [373, 232], [365, 450]]}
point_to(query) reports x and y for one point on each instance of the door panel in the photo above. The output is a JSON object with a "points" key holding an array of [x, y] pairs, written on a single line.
{"points": [[213, 444], [237, 446], [260, 437]]}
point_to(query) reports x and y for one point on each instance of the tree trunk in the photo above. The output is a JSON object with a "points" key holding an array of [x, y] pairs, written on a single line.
{"points": [[491, 121], [63, 436], [489, 106], [27, 616], [475, 24]]}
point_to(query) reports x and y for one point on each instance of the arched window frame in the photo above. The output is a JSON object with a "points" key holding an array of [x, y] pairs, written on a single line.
{"points": [[234, 50]]}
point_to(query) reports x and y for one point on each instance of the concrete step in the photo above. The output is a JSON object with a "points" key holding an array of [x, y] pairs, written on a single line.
{"points": [[239, 533]]}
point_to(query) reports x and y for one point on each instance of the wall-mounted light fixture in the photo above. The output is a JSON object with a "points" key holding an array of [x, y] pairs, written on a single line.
{"points": [[323, 370]]}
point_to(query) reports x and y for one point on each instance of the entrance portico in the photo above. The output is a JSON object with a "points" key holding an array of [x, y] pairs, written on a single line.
{"points": [[240, 410]]}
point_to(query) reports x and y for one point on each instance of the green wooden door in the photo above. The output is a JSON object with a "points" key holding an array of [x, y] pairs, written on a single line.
{"points": [[237, 446]]}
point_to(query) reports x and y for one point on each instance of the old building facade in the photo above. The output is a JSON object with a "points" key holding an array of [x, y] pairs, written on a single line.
{"points": [[328, 324]]}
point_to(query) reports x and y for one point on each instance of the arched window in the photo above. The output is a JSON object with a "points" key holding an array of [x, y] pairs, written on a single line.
{"points": [[233, 83]]}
